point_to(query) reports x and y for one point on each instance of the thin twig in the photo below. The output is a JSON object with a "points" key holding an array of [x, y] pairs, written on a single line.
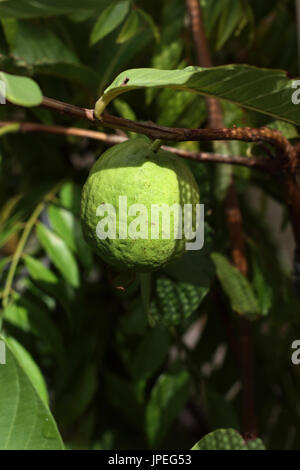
{"points": [[22, 242], [17, 254]]}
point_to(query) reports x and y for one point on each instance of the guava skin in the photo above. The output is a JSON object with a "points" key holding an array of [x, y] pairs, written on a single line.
{"points": [[146, 177]]}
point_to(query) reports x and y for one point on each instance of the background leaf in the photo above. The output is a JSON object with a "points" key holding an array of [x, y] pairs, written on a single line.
{"points": [[59, 254], [109, 20], [21, 90], [167, 399], [227, 439], [236, 286]]}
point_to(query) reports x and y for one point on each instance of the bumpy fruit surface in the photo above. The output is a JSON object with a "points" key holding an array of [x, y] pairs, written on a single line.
{"points": [[134, 170]]}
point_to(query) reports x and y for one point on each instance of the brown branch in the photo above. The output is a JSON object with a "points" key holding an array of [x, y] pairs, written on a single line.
{"points": [[36, 127], [259, 163], [233, 214], [204, 58], [154, 131], [292, 198]]}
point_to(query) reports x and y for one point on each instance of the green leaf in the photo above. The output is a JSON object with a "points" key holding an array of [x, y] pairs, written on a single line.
{"points": [[59, 254], [221, 411], [68, 227], [126, 402], [235, 83], [262, 287], [227, 439], [25, 421], [114, 57], [123, 108], [32, 370], [231, 17], [167, 399], [3, 263], [149, 20], [111, 17], [63, 222], [73, 405], [195, 267], [150, 354], [130, 27], [175, 106], [236, 286], [10, 26], [41, 51], [8, 230], [43, 8], [35, 44], [175, 301], [21, 90], [70, 197], [49, 282], [287, 129], [33, 316]]}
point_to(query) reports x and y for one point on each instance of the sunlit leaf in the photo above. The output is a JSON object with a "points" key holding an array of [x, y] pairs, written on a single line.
{"points": [[21, 90], [25, 420], [235, 83], [59, 254]]}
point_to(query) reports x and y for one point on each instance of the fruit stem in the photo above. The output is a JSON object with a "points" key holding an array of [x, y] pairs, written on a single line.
{"points": [[156, 144]]}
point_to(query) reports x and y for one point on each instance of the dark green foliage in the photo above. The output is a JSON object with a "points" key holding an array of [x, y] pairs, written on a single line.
{"points": [[99, 365]]}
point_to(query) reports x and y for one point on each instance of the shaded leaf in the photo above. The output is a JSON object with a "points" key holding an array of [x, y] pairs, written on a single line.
{"points": [[35, 318], [236, 286], [126, 403], [130, 27], [149, 20], [231, 18], [167, 399], [41, 51], [81, 395], [49, 282], [109, 20], [195, 267], [151, 353], [41, 8]]}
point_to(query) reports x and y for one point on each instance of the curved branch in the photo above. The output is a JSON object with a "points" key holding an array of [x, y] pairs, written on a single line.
{"points": [[260, 163], [285, 150]]}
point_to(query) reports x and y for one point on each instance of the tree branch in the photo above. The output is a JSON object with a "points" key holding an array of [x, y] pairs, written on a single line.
{"points": [[259, 163], [178, 134]]}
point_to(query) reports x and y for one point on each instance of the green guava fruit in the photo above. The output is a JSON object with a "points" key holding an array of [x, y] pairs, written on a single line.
{"points": [[141, 176]]}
